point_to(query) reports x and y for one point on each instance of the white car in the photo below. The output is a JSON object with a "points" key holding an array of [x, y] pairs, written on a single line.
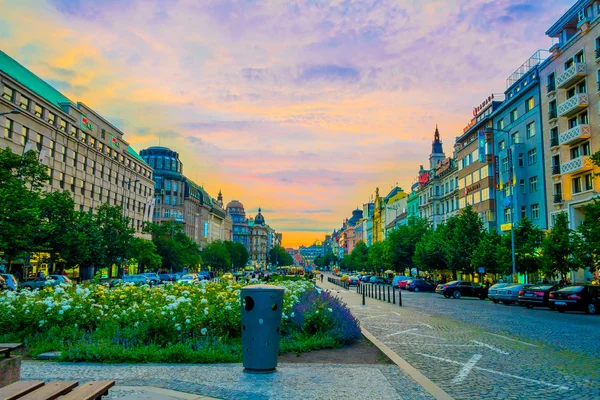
{"points": [[510, 293], [136, 280], [493, 291]]}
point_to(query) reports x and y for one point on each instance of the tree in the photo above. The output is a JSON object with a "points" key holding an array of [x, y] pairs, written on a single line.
{"points": [[329, 259], [145, 253], [528, 242], [216, 256], [379, 257], [464, 233], [491, 254], [176, 249], [278, 256], [403, 242], [359, 256], [319, 261], [558, 248], [346, 262], [21, 181], [116, 235], [238, 253], [85, 247], [587, 243], [430, 252]]}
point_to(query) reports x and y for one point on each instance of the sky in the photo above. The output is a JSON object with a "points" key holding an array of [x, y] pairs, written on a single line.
{"points": [[300, 107]]}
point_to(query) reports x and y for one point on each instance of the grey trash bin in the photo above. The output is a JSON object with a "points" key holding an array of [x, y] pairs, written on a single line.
{"points": [[261, 327]]}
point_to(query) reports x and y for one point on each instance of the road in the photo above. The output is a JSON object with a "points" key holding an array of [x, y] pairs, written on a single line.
{"points": [[477, 349]]}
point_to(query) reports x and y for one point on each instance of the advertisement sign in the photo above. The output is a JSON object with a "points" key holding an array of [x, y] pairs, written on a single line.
{"points": [[510, 167], [206, 229], [505, 227], [114, 142], [86, 124], [497, 173], [487, 102], [423, 179], [442, 166], [481, 138]]}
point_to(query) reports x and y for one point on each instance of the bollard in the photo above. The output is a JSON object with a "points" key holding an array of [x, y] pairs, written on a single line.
{"points": [[394, 294], [388, 294], [261, 323], [383, 290], [363, 293], [399, 297], [378, 292]]}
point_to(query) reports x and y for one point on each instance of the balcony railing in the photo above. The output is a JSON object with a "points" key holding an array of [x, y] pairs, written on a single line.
{"points": [[551, 87], [574, 135], [554, 141], [556, 170], [577, 165], [573, 105], [552, 114], [571, 75], [558, 198]]}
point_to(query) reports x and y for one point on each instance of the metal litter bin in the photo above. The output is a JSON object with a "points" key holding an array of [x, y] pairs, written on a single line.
{"points": [[261, 327]]}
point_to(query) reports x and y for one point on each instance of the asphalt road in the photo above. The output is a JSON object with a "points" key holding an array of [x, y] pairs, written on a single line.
{"points": [[477, 349]]}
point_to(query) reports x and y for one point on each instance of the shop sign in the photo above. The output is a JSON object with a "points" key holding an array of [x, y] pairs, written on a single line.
{"points": [[497, 173], [481, 138], [472, 188], [423, 179], [86, 124], [114, 142], [442, 166], [477, 110], [506, 227]]}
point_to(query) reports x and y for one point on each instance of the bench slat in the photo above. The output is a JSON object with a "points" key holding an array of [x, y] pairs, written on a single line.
{"points": [[4, 350], [19, 389], [89, 391], [11, 346], [51, 390]]}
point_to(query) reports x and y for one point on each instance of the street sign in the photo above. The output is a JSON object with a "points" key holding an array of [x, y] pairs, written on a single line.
{"points": [[481, 270]]}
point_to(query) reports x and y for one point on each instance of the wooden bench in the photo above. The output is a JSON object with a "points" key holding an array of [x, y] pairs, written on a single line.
{"points": [[6, 348], [61, 390]]}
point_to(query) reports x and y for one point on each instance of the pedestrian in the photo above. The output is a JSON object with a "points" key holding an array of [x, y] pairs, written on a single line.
{"points": [[40, 274], [321, 277]]}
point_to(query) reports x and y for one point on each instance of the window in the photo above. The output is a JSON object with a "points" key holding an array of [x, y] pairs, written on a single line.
{"points": [[535, 211], [569, 63], [585, 149], [583, 118], [167, 213], [24, 103], [37, 110], [523, 212], [532, 156], [102, 134], [514, 138], [574, 152], [577, 185], [514, 115], [168, 200], [529, 104], [92, 142], [504, 164], [62, 125], [73, 131], [8, 94], [521, 160], [51, 118], [52, 145], [530, 129], [40, 142], [83, 137], [579, 57], [501, 145], [500, 124], [100, 147], [25, 135], [507, 216], [522, 184], [533, 184], [168, 185], [550, 85], [572, 123], [175, 187], [552, 110], [588, 182], [8, 127], [582, 87]]}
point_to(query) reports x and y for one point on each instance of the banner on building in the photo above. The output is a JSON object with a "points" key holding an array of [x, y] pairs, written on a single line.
{"points": [[151, 213], [510, 167], [497, 173], [481, 138], [206, 229]]}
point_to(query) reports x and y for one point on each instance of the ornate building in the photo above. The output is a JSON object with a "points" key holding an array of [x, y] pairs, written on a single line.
{"points": [[258, 237]]}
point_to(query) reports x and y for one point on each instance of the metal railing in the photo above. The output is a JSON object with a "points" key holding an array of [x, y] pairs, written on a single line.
{"points": [[551, 87], [553, 141], [556, 170], [552, 114], [557, 198], [379, 292]]}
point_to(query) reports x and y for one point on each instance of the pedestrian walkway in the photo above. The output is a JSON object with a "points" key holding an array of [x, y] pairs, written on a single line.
{"points": [[467, 361]]}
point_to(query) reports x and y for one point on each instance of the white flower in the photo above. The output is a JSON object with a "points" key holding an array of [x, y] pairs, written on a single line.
{"points": [[61, 312], [330, 309], [203, 301], [178, 327], [316, 312], [42, 322], [75, 325], [206, 311], [187, 321], [228, 307], [293, 315], [203, 331]]}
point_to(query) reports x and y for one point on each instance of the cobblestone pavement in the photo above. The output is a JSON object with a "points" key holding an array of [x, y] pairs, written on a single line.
{"points": [[227, 381], [476, 349]]}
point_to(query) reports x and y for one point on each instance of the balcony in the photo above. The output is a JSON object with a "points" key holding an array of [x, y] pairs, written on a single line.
{"points": [[574, 135], [571, 75], [550, 88], [555, 170], [552, 115], [557, 198], [553, 141], [573, 105], [576, 165]]}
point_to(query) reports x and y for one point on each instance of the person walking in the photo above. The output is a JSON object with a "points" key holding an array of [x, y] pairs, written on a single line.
{"points": [[322, 277]]}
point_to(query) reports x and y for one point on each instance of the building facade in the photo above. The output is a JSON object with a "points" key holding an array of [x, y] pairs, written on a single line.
{"points": [[519, 175], [570, 111], [85, 154]]}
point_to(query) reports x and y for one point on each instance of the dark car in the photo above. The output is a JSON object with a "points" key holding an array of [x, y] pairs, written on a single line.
{"points": [[167, 278], [365, 278], [420, 285], [353, 281], [577, 298], [537, 295], [378, 280], [458, 289], [204, 275]]}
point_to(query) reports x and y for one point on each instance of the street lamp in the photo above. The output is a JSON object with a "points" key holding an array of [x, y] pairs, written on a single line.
{"points": [[512, 207], [11, 112]]}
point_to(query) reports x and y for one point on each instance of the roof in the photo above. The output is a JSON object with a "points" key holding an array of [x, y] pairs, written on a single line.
{"points": [[571, 13], [31, 81], [134, 154]]}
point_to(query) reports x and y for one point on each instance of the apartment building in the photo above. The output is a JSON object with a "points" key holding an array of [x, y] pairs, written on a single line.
{"points": [[85, 154]]}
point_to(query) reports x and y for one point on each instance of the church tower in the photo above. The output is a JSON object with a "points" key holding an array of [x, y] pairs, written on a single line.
{"points": [[437, 152]]}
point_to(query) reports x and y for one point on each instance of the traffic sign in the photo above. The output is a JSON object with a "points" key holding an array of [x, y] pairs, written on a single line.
{"points": [[481, 270]]}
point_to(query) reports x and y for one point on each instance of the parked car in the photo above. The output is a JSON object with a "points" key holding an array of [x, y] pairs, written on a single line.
{"points": [[365, 278], [137, 280], [153, 278], [353, 281], [379, 280], [577, 298], [11, 281], [537, 295], [188, 279], [204, 275], [403, 284], [458, 289], [115, 282], [510, 293], [164, 278], [397, 279], [227, 275], [3, 285], [51, 280], [420, 285], [492, 291]]}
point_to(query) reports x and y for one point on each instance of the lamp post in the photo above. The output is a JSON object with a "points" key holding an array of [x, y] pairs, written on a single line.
{"points": [[11, 112], [512, 206]]}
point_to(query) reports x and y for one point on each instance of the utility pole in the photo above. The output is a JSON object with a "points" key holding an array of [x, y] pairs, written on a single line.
{"points": [[172, 230]]}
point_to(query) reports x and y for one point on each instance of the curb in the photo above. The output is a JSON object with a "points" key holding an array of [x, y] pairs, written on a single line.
{"points": [[415, 374]]}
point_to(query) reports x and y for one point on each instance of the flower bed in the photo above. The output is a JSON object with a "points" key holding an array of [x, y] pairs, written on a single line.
{"points": [[170, 323]]}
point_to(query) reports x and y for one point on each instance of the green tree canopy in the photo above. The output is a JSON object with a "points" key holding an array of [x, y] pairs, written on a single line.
{"points": [[403, 242], [216, 256], [430, 252], [359, 257], [587, 242], [528, 243], [379, 257], [491, 254], [176, 249], [464, 233], [278, 256], [558, 248]]}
